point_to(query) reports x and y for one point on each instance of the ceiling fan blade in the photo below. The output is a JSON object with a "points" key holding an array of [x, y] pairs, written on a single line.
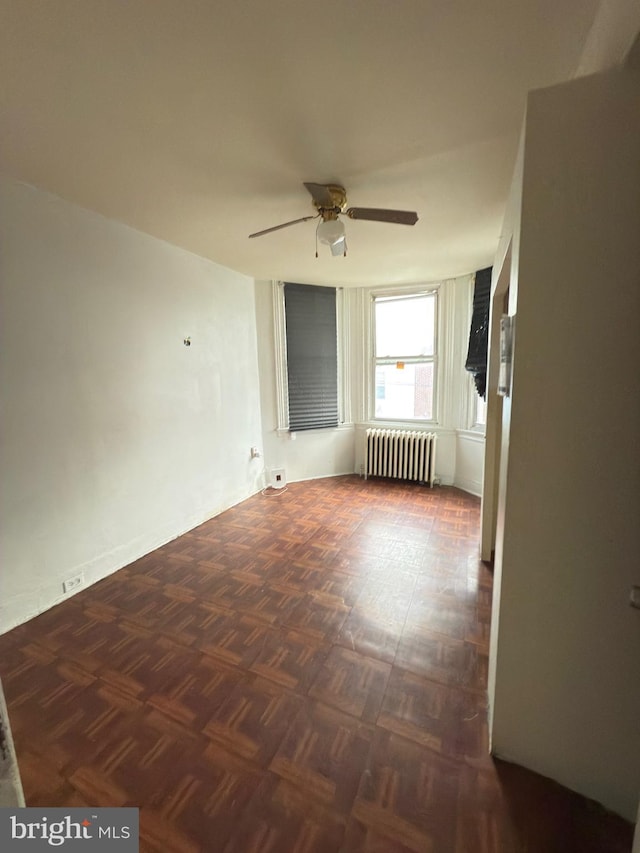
{"points": [[339, 247], [375, 214], [284, 225], [320, 194]]}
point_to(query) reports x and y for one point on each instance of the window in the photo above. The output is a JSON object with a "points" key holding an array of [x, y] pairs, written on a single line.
{"points": [[312, 356], [480, 418], [405, 356]]}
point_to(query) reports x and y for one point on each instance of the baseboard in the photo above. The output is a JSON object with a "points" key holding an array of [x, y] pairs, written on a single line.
{"points": [[473, 487], [26, 606]]}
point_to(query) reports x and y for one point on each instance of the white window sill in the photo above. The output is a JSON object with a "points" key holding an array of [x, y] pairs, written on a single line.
{"points": [[474, 434], [287, 433]]}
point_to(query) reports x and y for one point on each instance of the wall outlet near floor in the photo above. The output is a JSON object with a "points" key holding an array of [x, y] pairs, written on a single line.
{"points": [[73, 584], [278, 478]]}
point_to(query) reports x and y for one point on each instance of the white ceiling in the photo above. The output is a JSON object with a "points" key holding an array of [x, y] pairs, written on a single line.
{"points": [[198, 120]]}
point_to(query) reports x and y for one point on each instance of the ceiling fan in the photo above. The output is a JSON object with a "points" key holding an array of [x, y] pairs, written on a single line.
{"points": [[330, 200]]}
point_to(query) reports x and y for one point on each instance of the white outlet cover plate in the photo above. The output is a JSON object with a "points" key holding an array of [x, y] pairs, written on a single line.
{"points": [[278, 478], [72, 583]]}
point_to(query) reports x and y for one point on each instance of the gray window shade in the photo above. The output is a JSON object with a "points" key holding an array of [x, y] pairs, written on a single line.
{"points": [[312, 356], [479, 334]]}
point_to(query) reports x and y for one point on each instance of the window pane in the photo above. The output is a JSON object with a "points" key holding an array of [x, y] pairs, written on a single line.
{"points": [[405, 327], [404, 393], [481, 411]]}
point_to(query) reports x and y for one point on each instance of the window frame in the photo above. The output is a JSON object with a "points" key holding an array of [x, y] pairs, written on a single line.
{"points": [[281, 365], [471, 421], [437, 359], [473, 424]]}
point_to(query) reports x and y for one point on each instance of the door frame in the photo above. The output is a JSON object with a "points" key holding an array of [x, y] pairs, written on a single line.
{"points": [[493, 429]]}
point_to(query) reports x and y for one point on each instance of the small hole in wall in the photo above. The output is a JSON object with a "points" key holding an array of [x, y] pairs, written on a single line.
{"points": [[187, 342]]}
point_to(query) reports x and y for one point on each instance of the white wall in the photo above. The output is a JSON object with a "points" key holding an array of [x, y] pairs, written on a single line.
{"points": [[566, 653], [323, 453], [115, 436], [469, 461]]}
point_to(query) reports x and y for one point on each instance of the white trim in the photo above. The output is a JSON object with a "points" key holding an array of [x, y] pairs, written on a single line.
{"points": [[287, 433], [325, 476], [280, 340], [474, 487], [471, 435], [413, 426], [364, 316], [471, 407], [370, 294], [468, 413], [447, 363], [419, 288], [343, 342]]}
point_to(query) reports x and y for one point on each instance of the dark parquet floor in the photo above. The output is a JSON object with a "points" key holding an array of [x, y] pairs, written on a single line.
{"points": [[305, 673]]}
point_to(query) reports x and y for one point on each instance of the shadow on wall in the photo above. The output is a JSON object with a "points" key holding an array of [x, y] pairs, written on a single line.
{"points": [[572, 824]]}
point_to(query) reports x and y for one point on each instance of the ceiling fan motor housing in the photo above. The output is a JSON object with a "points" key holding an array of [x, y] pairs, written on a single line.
{"points": [[338, 196]]}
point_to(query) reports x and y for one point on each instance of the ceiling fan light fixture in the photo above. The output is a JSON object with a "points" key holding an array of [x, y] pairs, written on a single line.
{"points": [[339, 248], [330, 200], [330, 231]]}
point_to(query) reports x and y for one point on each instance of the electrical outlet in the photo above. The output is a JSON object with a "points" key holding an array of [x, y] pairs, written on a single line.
{"points": [[73, 584], [278, 478]]}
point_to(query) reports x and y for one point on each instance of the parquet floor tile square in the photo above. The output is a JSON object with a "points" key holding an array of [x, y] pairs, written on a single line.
{"points": [[323, 557], [43, 780], [398, 530], [138, 760], [336, 588], [360, 838], [290, 659], [375, 635], [322, 620], [440, 615], [271, 603], [301, 674], [324, 754], [352, 683], [141, 665], [193, 695], [442, 659], [194, 625], [254, 719], [409, 794], [41, 684], [452, 721], [407, 553], [389, 599], [281, 818], [295, 576], [238, 640]]}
